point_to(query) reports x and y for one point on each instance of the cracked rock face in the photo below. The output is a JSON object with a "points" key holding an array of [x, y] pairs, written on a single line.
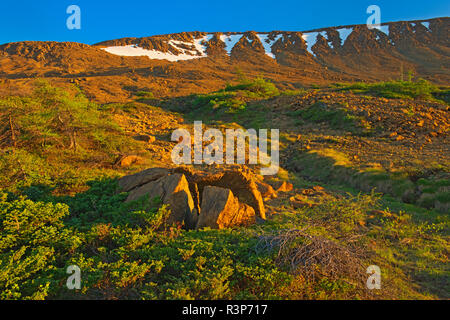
{"points": [[172, 190], [240, 183], [129, 183], [221, 209]]}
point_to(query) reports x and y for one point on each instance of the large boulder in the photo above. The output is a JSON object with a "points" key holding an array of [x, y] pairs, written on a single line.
{"points": [[185, 189], [220, 209], [129, 183], [242, 184], [172, 190]]}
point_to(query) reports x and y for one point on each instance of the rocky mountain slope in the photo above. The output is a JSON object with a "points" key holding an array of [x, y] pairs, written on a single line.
{"points": [[179, 64]]}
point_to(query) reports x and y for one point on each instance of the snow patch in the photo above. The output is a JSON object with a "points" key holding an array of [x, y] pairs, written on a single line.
{"points": [[344, 33], [198, 50], [311, 39], [199, 46], [267, 43], [426, 25], [135, 51], [230, 41], [384, 29]]}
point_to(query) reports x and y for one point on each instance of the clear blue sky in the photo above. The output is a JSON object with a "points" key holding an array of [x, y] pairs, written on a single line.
{"points": [[105, 20]]}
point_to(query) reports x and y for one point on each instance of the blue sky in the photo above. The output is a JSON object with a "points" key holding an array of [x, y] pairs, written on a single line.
{"points": [[105, 20]]}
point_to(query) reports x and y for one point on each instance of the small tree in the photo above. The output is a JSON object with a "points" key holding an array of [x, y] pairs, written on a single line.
{"points": [[9, 128]]}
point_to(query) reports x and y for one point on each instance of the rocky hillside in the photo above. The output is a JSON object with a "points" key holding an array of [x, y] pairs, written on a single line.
{"points": [[183, 63], [363, 180]]}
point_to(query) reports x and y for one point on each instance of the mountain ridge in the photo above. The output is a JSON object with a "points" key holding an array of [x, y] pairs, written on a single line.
{"points": [[188, 62], [287, 31]]}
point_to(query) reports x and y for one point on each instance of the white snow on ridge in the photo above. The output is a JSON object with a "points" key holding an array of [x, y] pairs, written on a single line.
{"points": [[230, 41], [135, 51], [344, 33], [199, 46], [325, 35], [311, 39], [384, 29], [426, 25], [196, 48], [267, 43], [199, 50]]}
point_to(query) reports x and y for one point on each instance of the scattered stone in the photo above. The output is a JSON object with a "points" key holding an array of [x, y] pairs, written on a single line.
{"points": [[266, 190], [126, 161], [145, 138], [285, 187], [298, 201], [318, 188]]}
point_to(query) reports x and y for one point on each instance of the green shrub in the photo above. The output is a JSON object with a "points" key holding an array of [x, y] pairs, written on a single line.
{"points": [[221, 101], [336, 117], [54, 119], [234, 98], [40, 239], [145, 94], [58, 138], [296, 92], [257, 88], [20, 168], [31, 234], [422, 89]]}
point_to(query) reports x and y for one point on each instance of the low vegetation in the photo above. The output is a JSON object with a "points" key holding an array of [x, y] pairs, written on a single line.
{"points": [[338, 117], [235, 97], [421, 89], [59, 206], [328, 165], [126, 251], [54, 136]]}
